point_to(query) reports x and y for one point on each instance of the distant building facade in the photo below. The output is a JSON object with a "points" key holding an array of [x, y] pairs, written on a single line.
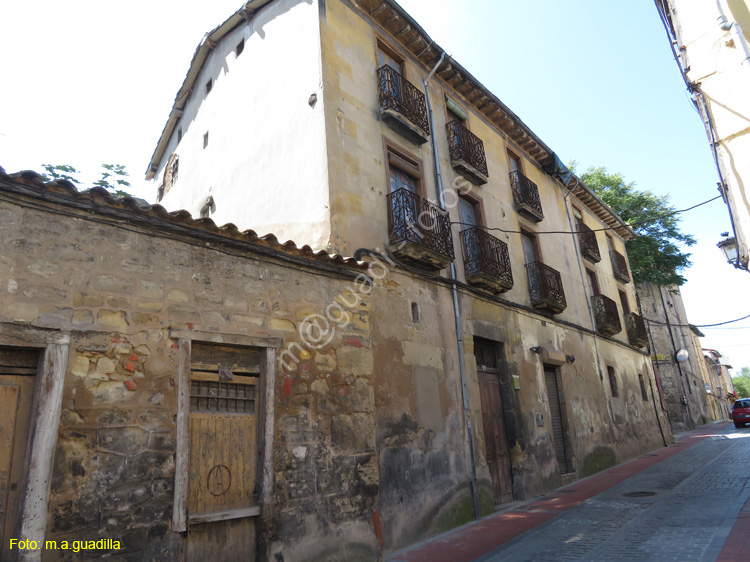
{"points": [[710, 42], [683, 383], [716, 389], [720, 372]]}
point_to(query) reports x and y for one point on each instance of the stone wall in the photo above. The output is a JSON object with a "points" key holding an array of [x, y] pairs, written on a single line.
{"points": [[369, 438], [119, 287], [683, 384]]}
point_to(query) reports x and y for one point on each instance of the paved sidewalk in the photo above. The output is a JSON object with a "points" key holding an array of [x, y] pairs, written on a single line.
{"points": [[681, 503]]}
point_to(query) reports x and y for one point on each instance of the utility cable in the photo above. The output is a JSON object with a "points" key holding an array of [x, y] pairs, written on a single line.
{"points": [[696, 325], [646, 221]]}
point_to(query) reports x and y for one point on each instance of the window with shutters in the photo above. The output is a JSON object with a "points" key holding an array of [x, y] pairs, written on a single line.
{"points": [[557, 417], [644, 392], [612, 381]]}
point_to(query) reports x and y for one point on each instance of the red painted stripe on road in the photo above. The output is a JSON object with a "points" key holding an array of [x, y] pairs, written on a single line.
{"points": [[738, 542], [477, 539]]}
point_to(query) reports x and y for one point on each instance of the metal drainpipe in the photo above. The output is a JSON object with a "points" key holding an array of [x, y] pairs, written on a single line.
{"points": [[709, 124], [576, 244], [704, 111], [456, 308], [735, 30]]}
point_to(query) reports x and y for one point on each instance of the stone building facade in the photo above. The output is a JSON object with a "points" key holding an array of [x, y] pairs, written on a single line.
{"points": [[683, 383], [122, 304], [720, 396], [472, 356], [508, 358], [721, 376]]}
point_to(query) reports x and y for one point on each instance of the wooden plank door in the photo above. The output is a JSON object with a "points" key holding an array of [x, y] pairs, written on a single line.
{"points": [[223, 454], [556, 418], [495, 441], [17, 370]]}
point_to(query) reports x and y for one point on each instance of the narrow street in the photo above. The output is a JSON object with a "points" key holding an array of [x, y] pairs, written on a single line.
{"points": [[687, 502]]}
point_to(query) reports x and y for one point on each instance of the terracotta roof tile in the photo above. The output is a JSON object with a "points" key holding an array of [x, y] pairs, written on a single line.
{"points": [[98, 196]]}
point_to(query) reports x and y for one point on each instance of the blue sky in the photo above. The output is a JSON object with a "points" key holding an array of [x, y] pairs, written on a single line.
{"points": [[89, 82]]}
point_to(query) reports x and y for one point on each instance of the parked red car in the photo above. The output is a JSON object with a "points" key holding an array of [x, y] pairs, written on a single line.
{"points": [[741, 412]]}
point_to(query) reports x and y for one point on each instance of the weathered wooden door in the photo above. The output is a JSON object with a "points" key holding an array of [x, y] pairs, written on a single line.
{"points": [[17, 370], [493, 422], [556, 418], [223, 453], [496, 445]]}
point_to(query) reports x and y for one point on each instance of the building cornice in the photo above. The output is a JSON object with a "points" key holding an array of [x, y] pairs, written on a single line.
{"points": [[207, 44], [405, 30], [394, 20]]}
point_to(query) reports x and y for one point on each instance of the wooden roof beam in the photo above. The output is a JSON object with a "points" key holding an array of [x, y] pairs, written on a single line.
{"points": [[446, 70], [473, 98], [379, 8], [390, 19], [417, 39], [403, 30], [484, 100]]}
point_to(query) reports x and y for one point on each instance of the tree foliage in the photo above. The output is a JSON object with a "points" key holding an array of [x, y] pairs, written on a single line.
{"points": [[60, 172], [656, 254], [742, 383], [113, 177]]}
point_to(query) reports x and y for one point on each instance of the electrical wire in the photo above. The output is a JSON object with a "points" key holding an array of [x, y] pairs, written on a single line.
{"points": [[593, 229], [696, 325]]}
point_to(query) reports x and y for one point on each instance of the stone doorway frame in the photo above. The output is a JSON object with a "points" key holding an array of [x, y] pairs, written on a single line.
{"points": [[54, 346], [185, 338]]}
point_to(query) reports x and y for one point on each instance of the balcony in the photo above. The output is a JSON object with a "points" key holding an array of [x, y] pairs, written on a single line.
{"points": [[526, 197], [402, 106], [467, 152], [545, 288], [419, 231], [486, 261], [636, 328], [606, 315], [620, 267], [588, 243]]}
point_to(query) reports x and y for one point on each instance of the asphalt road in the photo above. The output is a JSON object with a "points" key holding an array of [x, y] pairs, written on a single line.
{"points": [[681, 509]]}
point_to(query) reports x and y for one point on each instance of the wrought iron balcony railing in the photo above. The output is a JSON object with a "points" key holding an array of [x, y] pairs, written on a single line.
{"points": [[606, 315], [467, 151], [589, 245], [419, 230], [545, 287], [526, 196], [399, 95], [486, 260], [620, 267], [636, 328]]}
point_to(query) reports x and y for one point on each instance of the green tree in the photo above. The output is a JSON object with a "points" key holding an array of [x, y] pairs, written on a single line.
{"points": [[60, 172], [113, 178], [656, 254], [742, 383]]}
